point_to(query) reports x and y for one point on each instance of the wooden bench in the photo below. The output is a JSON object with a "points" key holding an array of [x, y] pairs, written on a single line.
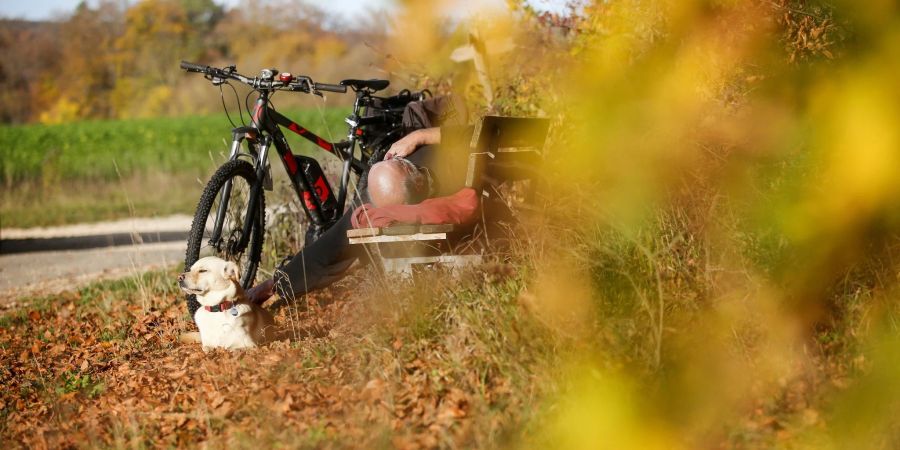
{"points": [[502, 151]]}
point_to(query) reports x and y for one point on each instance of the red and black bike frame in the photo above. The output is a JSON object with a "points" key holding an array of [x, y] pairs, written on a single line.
{"points": [[261, 135]]}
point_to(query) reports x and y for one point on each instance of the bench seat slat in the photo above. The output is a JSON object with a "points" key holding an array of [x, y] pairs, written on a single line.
{"points": [[363, 232], [399, 229], [399, 238]]}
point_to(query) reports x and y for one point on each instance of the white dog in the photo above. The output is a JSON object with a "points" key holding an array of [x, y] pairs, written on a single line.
{"points": [[226, 318]]}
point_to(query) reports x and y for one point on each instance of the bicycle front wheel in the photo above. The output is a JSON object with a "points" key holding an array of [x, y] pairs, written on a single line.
{"points": [[220, 219]]}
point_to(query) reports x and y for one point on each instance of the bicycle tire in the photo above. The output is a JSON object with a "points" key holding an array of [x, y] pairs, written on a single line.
{"points": [[231, 170]]}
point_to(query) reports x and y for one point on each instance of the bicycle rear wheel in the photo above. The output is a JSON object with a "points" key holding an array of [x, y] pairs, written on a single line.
{"points": [[237, 177]]}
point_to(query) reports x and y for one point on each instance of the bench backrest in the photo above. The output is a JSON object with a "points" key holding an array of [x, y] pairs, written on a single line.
{"points": [[505, 149]]}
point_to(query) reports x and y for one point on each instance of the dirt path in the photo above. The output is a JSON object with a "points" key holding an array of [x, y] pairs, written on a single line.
{"points": [[51, 272], [46, 272], [179, 222]]}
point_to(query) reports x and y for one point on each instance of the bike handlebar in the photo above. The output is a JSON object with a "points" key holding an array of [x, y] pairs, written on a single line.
{"points": [[299, 83], [330, 87], [191, 67]]}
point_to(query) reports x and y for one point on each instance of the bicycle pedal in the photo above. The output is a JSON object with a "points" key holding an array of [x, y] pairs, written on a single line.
{"points": [[267, 180]]}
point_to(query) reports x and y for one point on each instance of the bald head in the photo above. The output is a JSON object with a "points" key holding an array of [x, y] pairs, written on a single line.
{"points": [[396, 182]]}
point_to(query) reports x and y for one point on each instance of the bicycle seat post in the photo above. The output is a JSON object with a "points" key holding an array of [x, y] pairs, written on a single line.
{"points": [[353, 119]]}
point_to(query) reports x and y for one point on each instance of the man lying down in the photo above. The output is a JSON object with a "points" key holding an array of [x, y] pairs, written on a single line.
{"points": [[426, 168]]}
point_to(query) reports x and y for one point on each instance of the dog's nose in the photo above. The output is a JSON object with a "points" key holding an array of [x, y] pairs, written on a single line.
{"points": [[181, 277]]}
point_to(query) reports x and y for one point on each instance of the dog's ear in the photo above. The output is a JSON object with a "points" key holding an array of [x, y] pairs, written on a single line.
{"points": [[231, 272]]}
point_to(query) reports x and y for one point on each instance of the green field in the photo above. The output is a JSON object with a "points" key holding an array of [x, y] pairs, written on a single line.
{"points": [[102, 150], [100, 170]]}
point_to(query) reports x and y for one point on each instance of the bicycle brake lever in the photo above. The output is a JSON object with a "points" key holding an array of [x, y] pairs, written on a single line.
{"points": [[308, 85], [216, 81]]}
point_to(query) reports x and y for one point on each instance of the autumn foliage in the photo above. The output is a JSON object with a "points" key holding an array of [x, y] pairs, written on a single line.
{"points": [[113, 62], [712, 260]]}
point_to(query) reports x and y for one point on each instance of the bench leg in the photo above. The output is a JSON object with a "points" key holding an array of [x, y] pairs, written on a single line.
{"points": [[404, 266]]}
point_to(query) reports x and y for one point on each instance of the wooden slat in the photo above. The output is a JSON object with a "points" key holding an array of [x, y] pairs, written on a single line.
{"points": [[363, 232], [438, 228], [475, 171], [513, 165], [494, 132], [399, 230], [401, 238]]}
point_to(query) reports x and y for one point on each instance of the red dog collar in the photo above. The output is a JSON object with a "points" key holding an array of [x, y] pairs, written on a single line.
{"points": [[226, 305]]}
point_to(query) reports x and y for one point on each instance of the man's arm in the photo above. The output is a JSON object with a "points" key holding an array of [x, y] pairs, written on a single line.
{"points": [[409, 143]]}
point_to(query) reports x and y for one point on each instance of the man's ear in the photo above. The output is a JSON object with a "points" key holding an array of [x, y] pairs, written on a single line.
{"points": [[231, 271]]}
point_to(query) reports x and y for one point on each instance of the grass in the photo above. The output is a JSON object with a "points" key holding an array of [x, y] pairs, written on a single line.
{"points": [[101, 170], [104, 150], [30, 205], [478, 360], [83, 383]]}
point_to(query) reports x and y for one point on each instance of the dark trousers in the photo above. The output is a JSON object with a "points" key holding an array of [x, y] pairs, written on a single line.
{"points": [[325, 260], [321, 263]]}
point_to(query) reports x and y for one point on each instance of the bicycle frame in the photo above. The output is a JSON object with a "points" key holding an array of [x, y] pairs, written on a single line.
{"points": [[264, 131]]}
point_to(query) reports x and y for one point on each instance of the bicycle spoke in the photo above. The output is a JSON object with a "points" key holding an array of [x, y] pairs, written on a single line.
{"points": [[222, 240]]}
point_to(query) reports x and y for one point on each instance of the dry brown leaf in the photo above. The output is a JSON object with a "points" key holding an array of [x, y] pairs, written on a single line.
{"points": [[217, 400], [226, 409], [374, 390]]}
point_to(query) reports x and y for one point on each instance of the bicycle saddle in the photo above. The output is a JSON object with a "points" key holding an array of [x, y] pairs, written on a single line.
{"points": [[375, 85]]}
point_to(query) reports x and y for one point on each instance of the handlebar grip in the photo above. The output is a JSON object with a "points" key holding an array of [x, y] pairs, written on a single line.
{"points": [[330, 87], [191, 67]]}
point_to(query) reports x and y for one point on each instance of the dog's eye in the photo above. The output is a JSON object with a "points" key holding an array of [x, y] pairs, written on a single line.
{"points": [[202, 271]]}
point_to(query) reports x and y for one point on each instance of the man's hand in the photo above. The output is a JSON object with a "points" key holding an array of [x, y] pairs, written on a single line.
{"points": [[261, 292], [412, 141]]}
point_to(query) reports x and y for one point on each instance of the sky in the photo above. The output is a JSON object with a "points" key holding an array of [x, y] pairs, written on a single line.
{"points": [[48, 9]]}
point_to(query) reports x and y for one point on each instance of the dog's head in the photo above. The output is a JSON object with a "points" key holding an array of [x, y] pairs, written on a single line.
{"points": [[212, 280]]}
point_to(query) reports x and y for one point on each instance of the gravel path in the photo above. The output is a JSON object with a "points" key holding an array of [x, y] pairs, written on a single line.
{"points": [[178, 222], [47, 272]]}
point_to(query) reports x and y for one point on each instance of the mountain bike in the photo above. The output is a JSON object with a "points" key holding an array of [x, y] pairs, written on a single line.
{"points": [[230, 218]]}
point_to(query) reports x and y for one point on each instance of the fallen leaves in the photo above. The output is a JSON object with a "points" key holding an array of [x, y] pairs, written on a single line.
{"points": [[88, 372], [446, 369], [453, 405]]}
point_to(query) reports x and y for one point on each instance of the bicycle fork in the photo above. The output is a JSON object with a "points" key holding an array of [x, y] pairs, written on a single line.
{"points": [[238, 136]]}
